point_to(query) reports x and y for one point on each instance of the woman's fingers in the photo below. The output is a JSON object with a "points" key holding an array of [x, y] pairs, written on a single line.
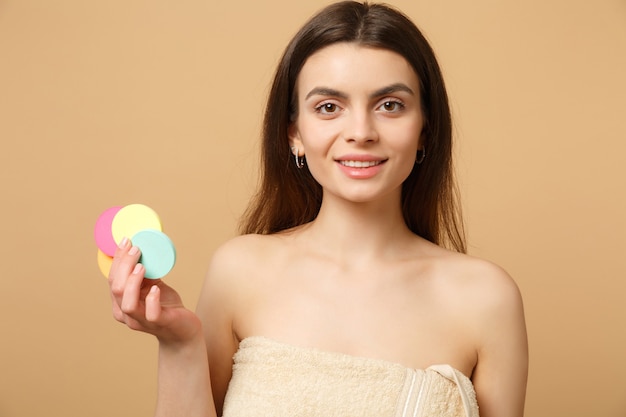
{"points": [[139, 303], [124, 261], [130, 303], [153, 304], [125, 280]]}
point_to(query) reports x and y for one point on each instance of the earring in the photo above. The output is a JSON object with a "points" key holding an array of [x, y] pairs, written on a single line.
{"points": [[422, 156], [299, 161]]}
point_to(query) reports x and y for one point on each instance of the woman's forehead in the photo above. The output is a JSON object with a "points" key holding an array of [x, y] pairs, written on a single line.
{"points": [[349, 65]]}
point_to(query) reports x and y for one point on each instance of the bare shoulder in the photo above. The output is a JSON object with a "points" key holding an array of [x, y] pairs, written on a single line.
{"points": [[227, 288], [239, 262], [483, 294], [493, 300], [223, 277], [241, 249], [490, 303], [485, 284]]}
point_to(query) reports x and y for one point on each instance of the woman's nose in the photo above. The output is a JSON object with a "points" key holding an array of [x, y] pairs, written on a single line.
{"points": [[360, 127]]}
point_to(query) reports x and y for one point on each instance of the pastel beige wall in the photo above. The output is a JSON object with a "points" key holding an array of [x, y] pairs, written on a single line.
{"points": [[112, 102]]}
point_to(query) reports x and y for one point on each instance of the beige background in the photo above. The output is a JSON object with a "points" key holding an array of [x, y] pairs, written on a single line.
{"points": [[113, 102]]}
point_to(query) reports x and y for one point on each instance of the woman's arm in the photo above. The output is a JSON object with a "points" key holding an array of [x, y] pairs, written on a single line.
{"points": [[502, 368], [153, 307], [221, 297], [184, 387]]}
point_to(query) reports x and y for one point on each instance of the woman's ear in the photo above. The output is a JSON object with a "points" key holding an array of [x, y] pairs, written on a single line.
{"points": [[294, 139], [421, 144]]}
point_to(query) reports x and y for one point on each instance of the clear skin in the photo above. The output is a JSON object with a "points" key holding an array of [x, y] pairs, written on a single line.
{"points": [[355, 280]]}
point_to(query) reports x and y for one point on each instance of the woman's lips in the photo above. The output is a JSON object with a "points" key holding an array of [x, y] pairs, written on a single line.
{"points": [[360, 168], [359, 164]]}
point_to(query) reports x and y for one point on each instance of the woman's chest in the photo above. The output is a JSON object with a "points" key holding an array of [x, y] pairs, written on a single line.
{"points": [[412, 323]]}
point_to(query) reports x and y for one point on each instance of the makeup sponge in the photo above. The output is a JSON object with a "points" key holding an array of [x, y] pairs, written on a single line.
{"points": [[103, 232], [158, 255], [143, 226]]}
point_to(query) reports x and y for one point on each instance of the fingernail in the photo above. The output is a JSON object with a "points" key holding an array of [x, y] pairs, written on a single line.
{"points": [[123, 243], [137, 269], [133, 250]]}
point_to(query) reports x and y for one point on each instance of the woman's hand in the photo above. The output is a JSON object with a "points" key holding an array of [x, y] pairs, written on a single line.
{"points": [[151, 306], [148, 305]]}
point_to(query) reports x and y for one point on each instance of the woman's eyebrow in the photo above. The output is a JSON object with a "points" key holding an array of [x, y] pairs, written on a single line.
{"points": [[326, 91], [393, 88]]}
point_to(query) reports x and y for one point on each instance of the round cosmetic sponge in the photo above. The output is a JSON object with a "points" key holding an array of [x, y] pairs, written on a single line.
{"points": [[102, 231], [133, 218], [158, 254], [104, 263]]}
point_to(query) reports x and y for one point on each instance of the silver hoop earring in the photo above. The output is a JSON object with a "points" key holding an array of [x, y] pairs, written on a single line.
{"points": [[422, 156], [299, 160]]}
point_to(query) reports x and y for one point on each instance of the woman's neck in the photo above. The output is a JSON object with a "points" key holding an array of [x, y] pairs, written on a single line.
{"points": [[356, 230]]}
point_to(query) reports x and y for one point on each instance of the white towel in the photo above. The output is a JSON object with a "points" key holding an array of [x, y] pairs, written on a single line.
{"points": [[275, 379]]}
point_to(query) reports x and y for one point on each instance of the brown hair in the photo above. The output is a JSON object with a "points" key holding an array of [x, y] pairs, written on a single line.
{"points": [[289, 196]]}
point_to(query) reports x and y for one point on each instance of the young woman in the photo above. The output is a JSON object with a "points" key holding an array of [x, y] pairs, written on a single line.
{"points": [[349, 292]]}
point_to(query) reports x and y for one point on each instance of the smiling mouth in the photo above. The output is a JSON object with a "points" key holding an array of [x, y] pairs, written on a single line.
{"points": [[360, 164]]}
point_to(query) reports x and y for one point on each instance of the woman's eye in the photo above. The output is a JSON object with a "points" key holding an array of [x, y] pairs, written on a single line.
{"points": [[391, 106], [327, 108]]}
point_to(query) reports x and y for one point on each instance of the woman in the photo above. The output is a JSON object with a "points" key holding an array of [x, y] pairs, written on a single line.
{"points": [[340, 298]]}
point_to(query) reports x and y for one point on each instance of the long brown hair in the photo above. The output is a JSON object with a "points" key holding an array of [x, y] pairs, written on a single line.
{"points": [[289, 196]]}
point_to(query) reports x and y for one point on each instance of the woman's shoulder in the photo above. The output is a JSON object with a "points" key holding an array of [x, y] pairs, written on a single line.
{"points": [[236, 265], [488, 278], [243, 249], [245, 255], [482, 281], [488, 293]]}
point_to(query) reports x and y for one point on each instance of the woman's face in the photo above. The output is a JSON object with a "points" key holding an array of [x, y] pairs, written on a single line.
{"points": [[359, 120]]}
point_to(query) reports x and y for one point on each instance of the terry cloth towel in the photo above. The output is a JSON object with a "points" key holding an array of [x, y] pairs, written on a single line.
{"points": [[275, 379]]}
